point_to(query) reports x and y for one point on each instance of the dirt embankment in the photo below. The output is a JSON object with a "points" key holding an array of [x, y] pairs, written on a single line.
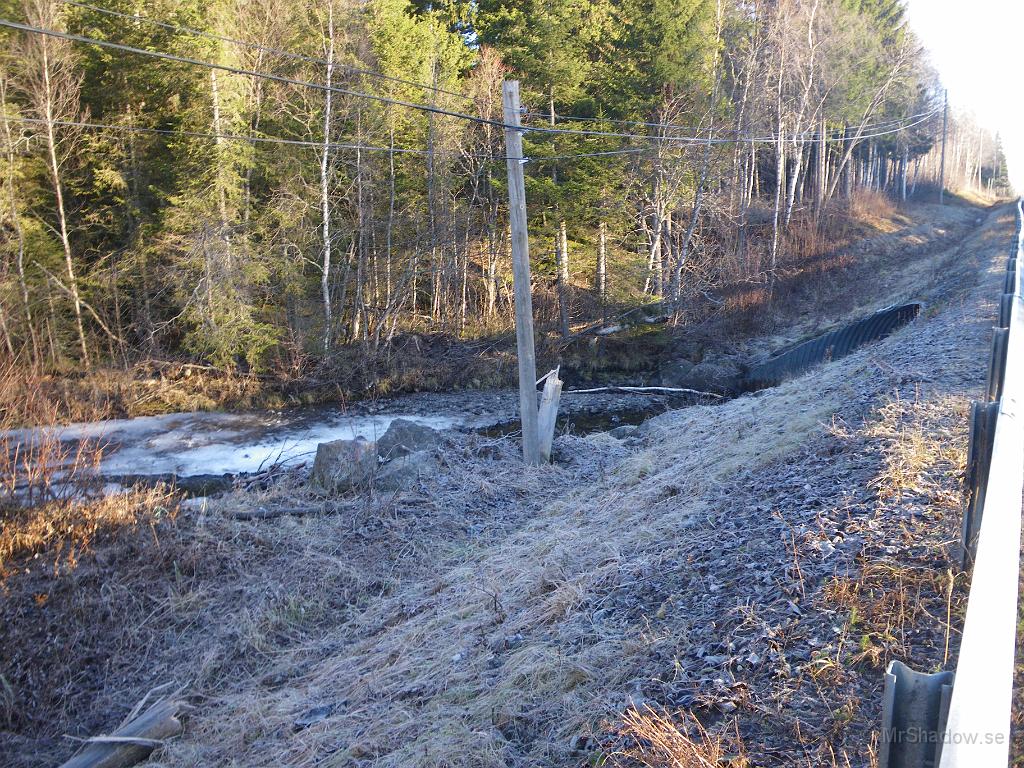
{"points": [[752, 565]]}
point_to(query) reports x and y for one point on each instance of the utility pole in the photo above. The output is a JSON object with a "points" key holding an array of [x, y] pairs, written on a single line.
{"points": [[945, 131], [521, 271]]}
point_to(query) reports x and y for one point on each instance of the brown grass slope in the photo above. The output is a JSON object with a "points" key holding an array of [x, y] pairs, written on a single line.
{"points": [[751, 565], [758, 561]]}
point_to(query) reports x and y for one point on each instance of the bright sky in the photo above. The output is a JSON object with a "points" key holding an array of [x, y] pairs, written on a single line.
{"points": [[975, 45]]}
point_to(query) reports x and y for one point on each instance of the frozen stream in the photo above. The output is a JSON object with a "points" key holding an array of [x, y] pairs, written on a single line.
{"points": [[192, 444], [211, 445]]}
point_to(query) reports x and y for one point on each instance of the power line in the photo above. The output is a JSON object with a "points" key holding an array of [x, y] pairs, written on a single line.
{"points": [[890, 132], [619, 121], [206, 135], [299, 142], [337, 89], [835, 135], [256, 46], [396, 102]]}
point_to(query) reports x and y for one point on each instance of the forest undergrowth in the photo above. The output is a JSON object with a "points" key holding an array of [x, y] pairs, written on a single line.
{"points": [[825, 273]]}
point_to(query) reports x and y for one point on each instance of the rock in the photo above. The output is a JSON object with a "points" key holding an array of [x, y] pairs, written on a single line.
{"points": [[582, 743], [313, 716], [654, 423], [194, 504], [621, 433], [506, 642], [711, 377], [674, 372], [403, 471], [342, 464], [404, 437]]}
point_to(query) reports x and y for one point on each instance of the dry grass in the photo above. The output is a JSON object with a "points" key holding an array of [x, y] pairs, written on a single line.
{"points": [[889, 602], [891, 598], [66, 529], [498, 616], [918, 447], [38, 467], [873, 208], [656, 739], [498, 660]]}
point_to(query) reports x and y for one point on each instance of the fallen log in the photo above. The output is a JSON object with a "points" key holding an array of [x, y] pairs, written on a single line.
{"points": [[133, 742], [644, 391]]}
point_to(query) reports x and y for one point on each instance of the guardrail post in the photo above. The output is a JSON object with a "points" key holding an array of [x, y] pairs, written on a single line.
{"points": [[979, 459], [1005, 305], [997, 364], [914, 709]]}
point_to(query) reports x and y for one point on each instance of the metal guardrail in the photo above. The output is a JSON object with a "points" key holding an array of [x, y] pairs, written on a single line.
{"points": [[977, 732], [925, 724]]}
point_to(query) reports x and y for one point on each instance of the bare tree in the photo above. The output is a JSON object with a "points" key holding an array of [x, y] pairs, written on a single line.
{"points": [[325, 167], [14, 214], [51, 85]]}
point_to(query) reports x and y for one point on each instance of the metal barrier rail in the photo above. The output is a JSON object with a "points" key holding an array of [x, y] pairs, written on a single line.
{"points": [[977, 732], [963, 721]]}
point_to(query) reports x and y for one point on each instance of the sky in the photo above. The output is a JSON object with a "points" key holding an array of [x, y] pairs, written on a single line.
{"points": [[975, 45]]}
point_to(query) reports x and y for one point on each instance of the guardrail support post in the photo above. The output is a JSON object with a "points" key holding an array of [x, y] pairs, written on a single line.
{"points": [[979, 459], [1005, 305], [914, 709], [997, 364]]}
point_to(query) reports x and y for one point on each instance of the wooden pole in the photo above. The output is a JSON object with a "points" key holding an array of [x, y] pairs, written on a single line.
{"points": [[548, 414], [133, 742], [945, 132], [521, 271]]}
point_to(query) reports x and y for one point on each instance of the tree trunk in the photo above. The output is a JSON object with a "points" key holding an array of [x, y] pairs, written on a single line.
{"points": [[794, 178], [562, 280], [563, 240], [780, 176], [222, 192], [822, 168], [58, 188], [325, 204], [19, 233]]}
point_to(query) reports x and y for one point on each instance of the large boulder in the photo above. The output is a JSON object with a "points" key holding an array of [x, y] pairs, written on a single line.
{"points": [[673, 373], [404, 471], [404, 437], [343, 464]]}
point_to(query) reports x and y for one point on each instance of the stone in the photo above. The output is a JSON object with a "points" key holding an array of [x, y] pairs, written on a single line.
{"points": [[342, 464], [626, 430], [674, 372], [404, 471], [668, 419], [711, 377], [404, 437], [313, 716]]}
